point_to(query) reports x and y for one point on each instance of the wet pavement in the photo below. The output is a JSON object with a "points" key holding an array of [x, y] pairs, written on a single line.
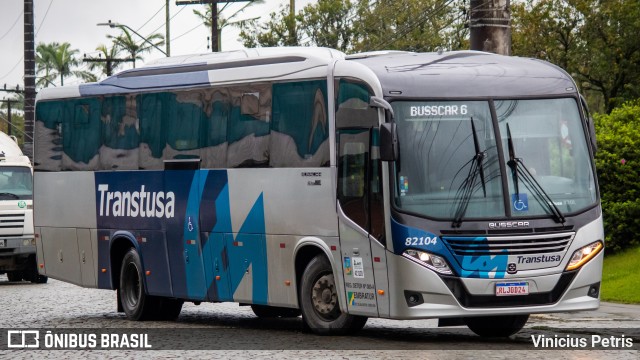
{"points": [[231, 331]]}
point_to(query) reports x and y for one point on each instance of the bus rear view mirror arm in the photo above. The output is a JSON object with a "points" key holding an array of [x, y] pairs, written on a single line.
{"points": [[388, 142], [378, 102], [388, 136]]}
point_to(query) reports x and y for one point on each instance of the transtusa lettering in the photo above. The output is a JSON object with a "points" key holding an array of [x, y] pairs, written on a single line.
{"points": [[137, 203]]}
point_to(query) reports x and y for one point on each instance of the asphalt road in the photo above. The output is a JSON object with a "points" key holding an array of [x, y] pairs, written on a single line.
{"points": [[234, 331]]}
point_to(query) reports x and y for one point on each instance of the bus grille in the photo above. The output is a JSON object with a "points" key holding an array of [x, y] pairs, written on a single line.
{"points": [[511, 245]]}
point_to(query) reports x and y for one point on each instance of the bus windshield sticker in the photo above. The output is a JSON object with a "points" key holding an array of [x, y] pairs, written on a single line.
{"points": [[520, 202], [347, 265], [404, 185], [358, 268]]}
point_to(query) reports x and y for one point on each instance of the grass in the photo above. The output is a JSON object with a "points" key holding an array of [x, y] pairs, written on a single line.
{"points": [[621, 277]]}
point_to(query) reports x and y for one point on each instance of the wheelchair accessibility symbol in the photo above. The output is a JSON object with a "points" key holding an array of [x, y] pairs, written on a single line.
{"points": [[520, 202], [190, 225]]}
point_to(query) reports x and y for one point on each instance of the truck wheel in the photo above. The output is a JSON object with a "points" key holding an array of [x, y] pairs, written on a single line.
{"points": [[264, 311], [39, 279], [136, 304], [496, 326], [32, 274], [319, 301], [14, 276]]}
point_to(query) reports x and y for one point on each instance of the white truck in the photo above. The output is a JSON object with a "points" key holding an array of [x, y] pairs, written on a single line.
{"points": [[17, 242]]}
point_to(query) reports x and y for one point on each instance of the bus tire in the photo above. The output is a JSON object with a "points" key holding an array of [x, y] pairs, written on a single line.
{"points": [[496, 326], [137, 305], [319, 301], [14, 276], [168, 309], [264, 311]]}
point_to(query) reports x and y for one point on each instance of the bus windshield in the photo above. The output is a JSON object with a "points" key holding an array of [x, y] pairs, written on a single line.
{"points": [[449, 166], [15, 183]]}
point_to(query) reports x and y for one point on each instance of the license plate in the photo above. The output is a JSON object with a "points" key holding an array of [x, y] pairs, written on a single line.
{"points": [[2, 243], [512, 289]]}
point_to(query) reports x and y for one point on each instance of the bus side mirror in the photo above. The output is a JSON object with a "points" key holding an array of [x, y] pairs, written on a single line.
{"points": [[388, 142]]}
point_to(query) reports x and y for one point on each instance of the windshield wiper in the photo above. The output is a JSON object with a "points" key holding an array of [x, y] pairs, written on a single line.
{"points": [[466, 189], [519, 170], [10, 194]]}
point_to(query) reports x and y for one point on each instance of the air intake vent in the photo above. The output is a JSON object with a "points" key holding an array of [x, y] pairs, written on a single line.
{"points": [[12, 224]]}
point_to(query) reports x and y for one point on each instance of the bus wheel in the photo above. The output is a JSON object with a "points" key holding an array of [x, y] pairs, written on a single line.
{"points": [[168, 309], [135, 302], [319, 301], [264, 311], [14, 276], [496, 326]]}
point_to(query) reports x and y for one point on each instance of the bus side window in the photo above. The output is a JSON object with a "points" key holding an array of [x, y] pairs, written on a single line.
{"points": [[248, 135], [216, 112], [81, 141], [48, 154], [120, 134], [184, 126], [152, 136], [300, 127]]}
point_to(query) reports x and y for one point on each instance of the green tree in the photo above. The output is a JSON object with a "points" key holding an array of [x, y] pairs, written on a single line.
{"points": [[594, 40], [413, 25], [223, 20], [17, 118], [126, 42], [280, 30], [327, 23], [59, 61], [107, 53], [365, 25], [44, 64], [618, 164]]}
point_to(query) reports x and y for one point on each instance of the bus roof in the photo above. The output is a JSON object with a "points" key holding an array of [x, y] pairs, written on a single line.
{"points": [[465, 74], [200, 70]]}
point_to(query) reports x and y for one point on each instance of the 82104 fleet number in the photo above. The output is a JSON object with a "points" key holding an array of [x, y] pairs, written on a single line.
{"points": [[423, 240]]}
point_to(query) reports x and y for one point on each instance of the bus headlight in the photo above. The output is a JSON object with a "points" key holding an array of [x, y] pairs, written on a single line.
{"points": [[583, 255], [433, 262]]}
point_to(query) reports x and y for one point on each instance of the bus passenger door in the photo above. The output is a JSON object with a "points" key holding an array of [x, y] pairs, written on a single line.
{"points": [[184, 244], [360, 205], [215, 227], [354, 221]]}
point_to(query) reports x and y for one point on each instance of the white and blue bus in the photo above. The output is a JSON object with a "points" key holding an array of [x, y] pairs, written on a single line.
{"points": [[457, 185]]}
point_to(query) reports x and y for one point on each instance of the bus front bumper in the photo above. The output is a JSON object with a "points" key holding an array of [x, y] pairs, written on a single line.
{"points": [[423, 294]]}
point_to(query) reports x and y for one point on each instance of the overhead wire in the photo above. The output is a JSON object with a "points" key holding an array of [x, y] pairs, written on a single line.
{"points": [[152, 17], [424, 17], [43, 19], [12, 26]]}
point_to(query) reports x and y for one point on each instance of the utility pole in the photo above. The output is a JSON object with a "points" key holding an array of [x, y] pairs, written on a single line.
{"points": [[490, 26], [168, 28], [292, 14], [110, 61], [214, 17], [29, 78]]}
